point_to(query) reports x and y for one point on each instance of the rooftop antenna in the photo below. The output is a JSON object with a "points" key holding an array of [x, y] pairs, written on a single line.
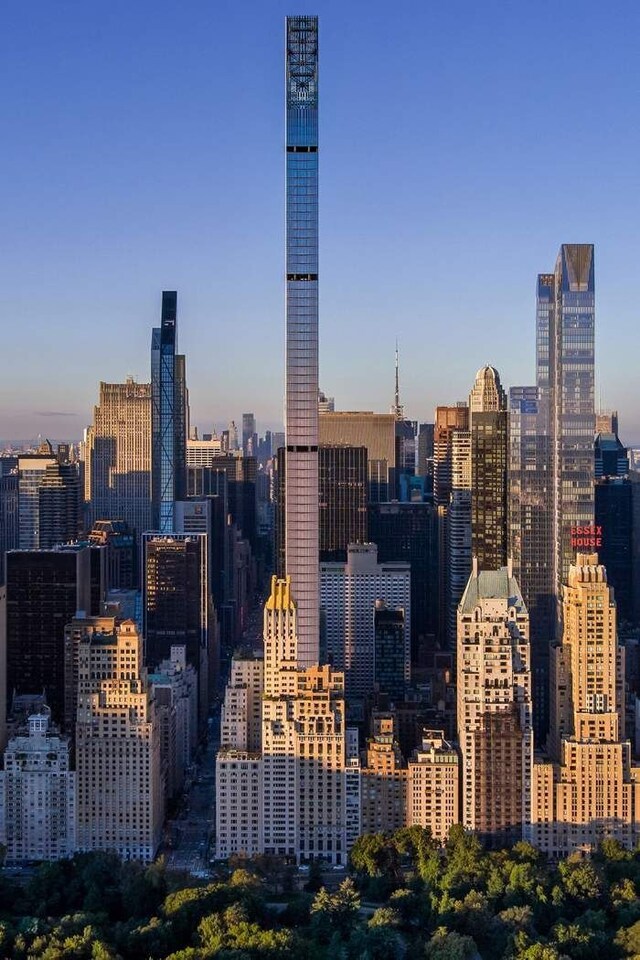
{"points": [[397, 407]]}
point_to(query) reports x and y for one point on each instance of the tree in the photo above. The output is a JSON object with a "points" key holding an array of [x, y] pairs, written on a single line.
{"points": [[336, 911], [446, 945]]}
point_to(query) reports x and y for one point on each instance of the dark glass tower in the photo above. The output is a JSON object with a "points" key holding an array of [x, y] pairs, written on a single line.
{"points": [[168, 417], [301, 401]]}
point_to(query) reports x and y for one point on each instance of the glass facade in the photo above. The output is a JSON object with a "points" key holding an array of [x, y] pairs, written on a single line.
{"points": [[301, 403], [572, 398], [164, 414]]}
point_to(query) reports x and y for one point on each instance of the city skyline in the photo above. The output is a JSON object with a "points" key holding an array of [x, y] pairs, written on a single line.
{"points": [[87, 260]]}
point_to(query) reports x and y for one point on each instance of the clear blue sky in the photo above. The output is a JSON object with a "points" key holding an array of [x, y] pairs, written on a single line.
{"points": [[461, 143]]}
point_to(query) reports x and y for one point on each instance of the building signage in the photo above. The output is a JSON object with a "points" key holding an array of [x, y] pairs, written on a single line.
{"points": [[589, 536]]}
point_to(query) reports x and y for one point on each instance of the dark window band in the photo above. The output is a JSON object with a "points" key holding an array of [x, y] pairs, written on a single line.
{"points": [[294, 449], [302, 276], [302, 149]]}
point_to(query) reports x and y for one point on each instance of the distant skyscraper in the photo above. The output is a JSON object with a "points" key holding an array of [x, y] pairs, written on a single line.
{"points": [[488, 420], [342, 499], [249, 435], [614, 519], [118, 461], [565, 361], [9, 520], [31, 470], [59, 508], [301, 397], [168, 416], [375, 431], [424, 459], [494, 707]]}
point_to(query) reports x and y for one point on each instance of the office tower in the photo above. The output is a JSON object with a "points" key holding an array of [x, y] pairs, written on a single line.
{"points": [[301, 396], [613, 528], [249, 435], [118, 456], [31, 469], [425, 454], [175, 603], [384, 778], [589, 790], [389, 651], [203, 480], [342, 499], [433, 785], [168, 416], [121, 561], [175, 691], [458, 522], [448, 421], [59, 508], [325, 404], [45, 588], [488, 425], [348, 595], [494, 707], [9, 523], [37, 795], [565, 363], [529, 516], [120, 801], [607, 422], [409, 532], [376, 432]]}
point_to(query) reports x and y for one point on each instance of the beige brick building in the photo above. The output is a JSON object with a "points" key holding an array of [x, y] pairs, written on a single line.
{"points": [[588, 789], [494, 707], [433, 786], [120, 802]]}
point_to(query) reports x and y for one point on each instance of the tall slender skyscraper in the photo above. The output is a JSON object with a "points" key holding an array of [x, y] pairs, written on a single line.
{"points": [[565, 361], [301, 401], [168, 410]]}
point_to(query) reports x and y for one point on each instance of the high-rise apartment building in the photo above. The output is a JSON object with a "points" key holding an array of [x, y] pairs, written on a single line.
{"points": [[459, 525], [433, 785], [120, 801], [118, 456], [488, 426], [565, 377], [44, 590], [121, 555], [384, 778], [37, 795], [589, 789], [494, 707], [348, 594], [613, 519], [169, 408], [301, 393]]}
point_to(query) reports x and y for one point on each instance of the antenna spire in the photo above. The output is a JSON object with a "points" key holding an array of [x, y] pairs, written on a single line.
{"points": [[397, 407]]}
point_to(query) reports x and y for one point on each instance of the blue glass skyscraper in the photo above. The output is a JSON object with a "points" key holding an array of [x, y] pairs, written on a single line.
{"points": [[164, 415], [301, 400]]}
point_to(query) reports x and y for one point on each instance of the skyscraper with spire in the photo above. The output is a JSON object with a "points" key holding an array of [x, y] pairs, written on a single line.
{"points": [[301, 397], [397, 408]]}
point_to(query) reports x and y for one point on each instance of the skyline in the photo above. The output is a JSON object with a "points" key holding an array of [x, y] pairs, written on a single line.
{"points": [[107, 208]]}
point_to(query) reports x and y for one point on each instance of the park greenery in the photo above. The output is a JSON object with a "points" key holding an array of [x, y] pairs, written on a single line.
{"points": [[405, 897]]}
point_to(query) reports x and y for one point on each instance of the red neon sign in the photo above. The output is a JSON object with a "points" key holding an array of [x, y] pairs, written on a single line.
{"points": [[589, 536]]}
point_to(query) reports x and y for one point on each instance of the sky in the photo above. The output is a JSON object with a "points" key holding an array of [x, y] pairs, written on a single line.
{"points": [[460, 144]]}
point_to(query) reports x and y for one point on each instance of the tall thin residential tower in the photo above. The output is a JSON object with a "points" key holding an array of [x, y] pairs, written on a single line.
{"points": [[301, 400]]}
